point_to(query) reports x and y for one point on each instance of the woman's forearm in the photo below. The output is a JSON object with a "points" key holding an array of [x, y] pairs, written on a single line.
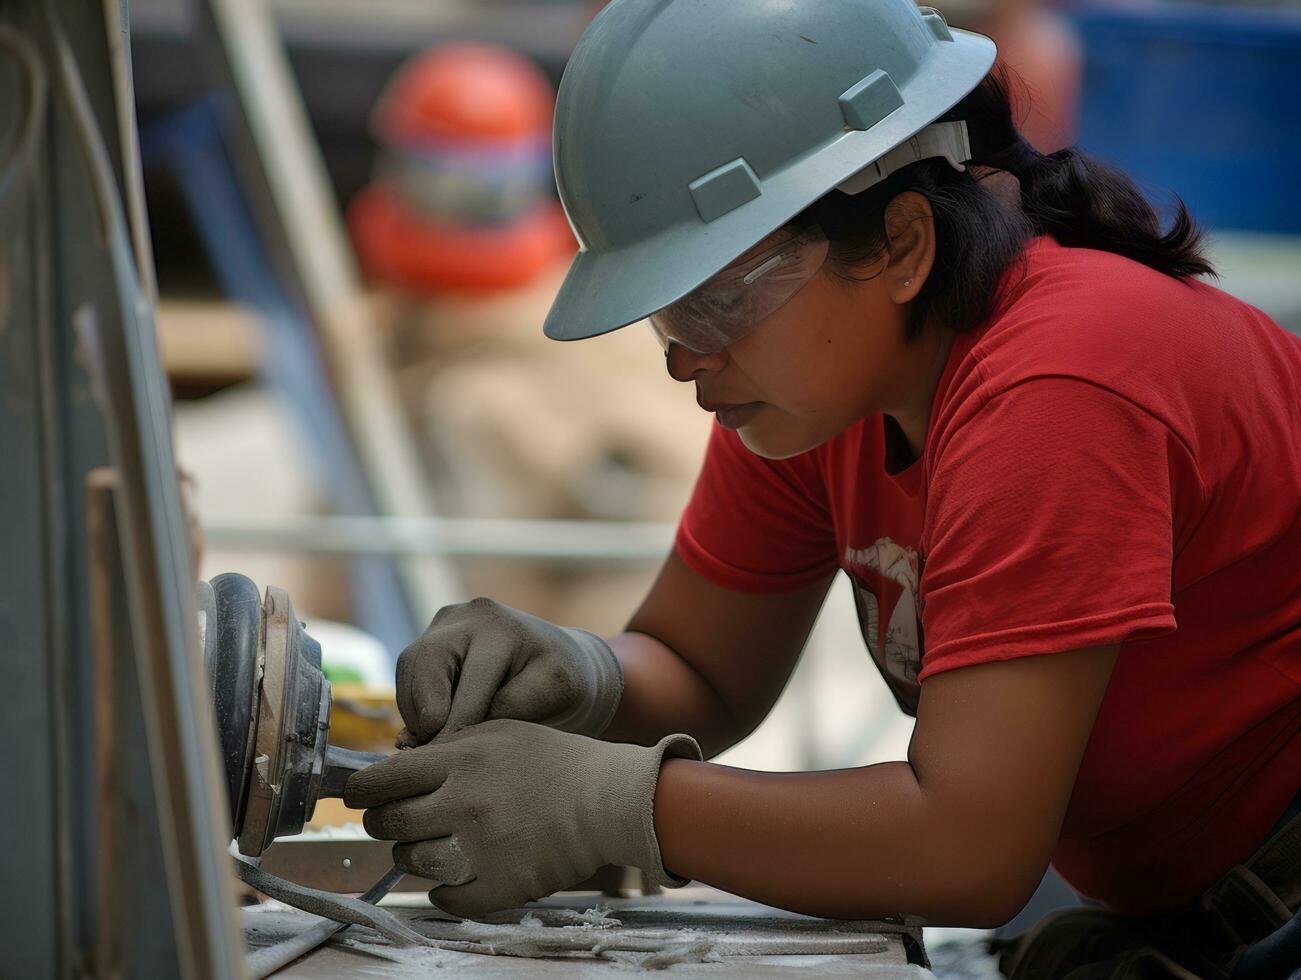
{"points": [[663, 694], [853, 843]]}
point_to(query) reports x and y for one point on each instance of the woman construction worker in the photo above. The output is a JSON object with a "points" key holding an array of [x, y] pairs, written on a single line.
{"points": [[1062, 472]]}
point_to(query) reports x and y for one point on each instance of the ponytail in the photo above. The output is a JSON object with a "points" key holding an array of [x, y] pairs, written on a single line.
{"points": [[1081, 202]]}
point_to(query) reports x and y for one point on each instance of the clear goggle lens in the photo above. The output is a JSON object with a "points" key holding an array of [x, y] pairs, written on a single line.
{"points": [[733, 303]]}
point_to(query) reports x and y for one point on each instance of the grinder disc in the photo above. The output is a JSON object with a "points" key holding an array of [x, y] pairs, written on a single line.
{"points": [[231, 609]]}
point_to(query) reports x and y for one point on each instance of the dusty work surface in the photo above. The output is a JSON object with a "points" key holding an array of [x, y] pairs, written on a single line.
{"points": [[696, 932]]}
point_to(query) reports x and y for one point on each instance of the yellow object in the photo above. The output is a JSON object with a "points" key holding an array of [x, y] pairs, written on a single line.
{"points": [[335, 813], [364, 718]]}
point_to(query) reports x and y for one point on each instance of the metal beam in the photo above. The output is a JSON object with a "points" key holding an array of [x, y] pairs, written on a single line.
{"points": [[284, 178], [65, 254], [126, 372]]}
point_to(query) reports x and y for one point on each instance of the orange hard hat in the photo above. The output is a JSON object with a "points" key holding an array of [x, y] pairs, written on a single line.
{"points": [[466, 92], [425, 255]]}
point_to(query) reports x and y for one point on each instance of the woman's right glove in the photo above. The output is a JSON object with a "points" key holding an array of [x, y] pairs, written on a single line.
{"points": [[508, 812], [482, 660]]}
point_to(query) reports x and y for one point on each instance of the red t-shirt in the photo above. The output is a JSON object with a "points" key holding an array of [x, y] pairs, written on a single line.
{"points": [[1115, 458]]}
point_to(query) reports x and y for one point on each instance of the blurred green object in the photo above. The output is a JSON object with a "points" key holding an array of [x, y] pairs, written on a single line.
{"points": [[341, 675], [351, 655]]}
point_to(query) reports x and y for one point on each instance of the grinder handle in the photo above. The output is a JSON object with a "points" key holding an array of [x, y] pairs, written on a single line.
{"points": [[339, 765]]}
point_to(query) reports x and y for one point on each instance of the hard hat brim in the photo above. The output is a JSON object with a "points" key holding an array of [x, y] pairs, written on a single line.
{"points": [[607, 289]]}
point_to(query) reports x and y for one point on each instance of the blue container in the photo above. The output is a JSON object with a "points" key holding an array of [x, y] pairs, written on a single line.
{"points": [[1204, 102]]}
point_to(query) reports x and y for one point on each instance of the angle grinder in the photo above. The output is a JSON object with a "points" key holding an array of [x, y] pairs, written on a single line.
{"points": [[272, 706]]}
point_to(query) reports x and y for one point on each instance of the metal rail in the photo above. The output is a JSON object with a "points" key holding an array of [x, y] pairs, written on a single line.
{"points": [[540, 540]]}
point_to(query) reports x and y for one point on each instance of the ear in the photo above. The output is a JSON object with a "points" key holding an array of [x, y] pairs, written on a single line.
{"points": [[910, 234]]}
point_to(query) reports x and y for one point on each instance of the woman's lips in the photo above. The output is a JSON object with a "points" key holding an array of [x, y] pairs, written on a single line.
{"points": [[733, 416]]}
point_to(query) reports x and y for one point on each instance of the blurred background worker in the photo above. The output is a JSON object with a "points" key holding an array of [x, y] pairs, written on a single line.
{"points": [[1061, 471]]}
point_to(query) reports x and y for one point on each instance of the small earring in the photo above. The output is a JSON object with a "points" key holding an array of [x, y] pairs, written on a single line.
{"points": [[907, 282]]}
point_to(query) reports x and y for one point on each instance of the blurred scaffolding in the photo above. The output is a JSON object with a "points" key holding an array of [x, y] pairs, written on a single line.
{"points": [[501, 439]]}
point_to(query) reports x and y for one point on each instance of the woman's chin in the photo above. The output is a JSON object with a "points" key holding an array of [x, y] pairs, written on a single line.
{"points": [[774, 442]]}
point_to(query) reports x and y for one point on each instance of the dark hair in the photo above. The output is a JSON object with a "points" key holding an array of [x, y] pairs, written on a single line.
{"points": [[1078, 200]]}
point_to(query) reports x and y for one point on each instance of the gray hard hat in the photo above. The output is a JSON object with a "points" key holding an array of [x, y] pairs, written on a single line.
{"points": [[688, 130]]}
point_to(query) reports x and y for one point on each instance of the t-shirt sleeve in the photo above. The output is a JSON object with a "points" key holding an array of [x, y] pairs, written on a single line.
{"points": [[1049, 526], [757, 525]]}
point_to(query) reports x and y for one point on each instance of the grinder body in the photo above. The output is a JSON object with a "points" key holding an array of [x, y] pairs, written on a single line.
{"points": [[272, 706]]}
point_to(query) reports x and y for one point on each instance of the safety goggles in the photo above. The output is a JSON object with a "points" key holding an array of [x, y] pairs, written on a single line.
{"points": [[733, 303]]}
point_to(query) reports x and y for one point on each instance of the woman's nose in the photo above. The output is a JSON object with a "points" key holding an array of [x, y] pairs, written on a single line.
{"points": [[684, 364]]}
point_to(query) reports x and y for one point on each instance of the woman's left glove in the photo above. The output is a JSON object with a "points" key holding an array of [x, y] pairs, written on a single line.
{"points": [[506, 812]]}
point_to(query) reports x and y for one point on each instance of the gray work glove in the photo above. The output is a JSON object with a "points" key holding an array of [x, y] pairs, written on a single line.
{"points": [[483, 660], [507, 812]]}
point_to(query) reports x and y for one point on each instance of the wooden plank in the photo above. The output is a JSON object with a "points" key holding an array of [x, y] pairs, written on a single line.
{"points": [[218, 342]]}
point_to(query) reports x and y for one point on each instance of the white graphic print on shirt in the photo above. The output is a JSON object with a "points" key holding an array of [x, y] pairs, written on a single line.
{"points": [[898, 653]]}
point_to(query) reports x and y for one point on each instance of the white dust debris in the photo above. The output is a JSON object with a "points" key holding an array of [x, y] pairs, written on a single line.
{"points": [[598, 917], [343, 831]]}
